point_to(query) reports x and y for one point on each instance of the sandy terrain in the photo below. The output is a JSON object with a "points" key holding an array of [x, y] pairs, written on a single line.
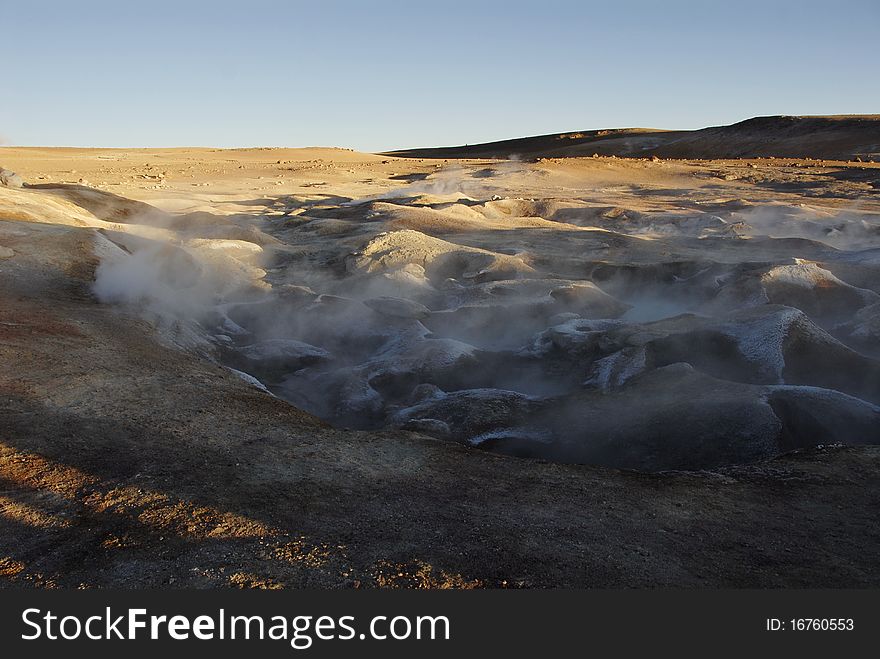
{"points": [[473, 349]]}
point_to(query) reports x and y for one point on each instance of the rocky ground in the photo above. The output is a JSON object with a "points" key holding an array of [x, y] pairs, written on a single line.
{"points": [[710, 324]]}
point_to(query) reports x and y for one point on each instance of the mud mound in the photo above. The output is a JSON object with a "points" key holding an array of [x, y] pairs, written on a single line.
{"points": [[441, 259]]}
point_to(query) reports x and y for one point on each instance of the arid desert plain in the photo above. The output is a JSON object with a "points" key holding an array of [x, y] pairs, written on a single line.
{"points": [[602, 359]]}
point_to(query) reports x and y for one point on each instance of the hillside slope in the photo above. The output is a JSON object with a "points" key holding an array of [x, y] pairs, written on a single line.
{"points": [[843, 137]]}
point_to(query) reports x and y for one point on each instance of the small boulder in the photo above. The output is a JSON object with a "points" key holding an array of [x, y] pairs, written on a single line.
{"points": [[10, 179]]}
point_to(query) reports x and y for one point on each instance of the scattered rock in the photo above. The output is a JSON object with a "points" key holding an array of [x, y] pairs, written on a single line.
{"points": [[10, 179]]}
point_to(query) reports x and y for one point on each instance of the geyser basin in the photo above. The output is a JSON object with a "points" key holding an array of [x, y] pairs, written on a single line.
{"points": [[548, 327], [646, 342]]}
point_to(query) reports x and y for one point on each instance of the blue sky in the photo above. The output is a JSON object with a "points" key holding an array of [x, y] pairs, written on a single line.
{"points": [[384, 74]]}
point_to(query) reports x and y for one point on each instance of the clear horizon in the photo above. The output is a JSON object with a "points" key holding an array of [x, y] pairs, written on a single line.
{"points": [[389, 75]]}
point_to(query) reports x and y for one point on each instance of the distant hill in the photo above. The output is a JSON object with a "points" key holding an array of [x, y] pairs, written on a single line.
{"points": [[841, 137]]}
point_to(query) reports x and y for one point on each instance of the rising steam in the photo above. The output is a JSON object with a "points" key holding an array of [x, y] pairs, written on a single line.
{"points": [[540, 327]]}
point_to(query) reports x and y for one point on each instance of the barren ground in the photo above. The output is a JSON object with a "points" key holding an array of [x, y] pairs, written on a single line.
{"points": [[131, 456]]}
